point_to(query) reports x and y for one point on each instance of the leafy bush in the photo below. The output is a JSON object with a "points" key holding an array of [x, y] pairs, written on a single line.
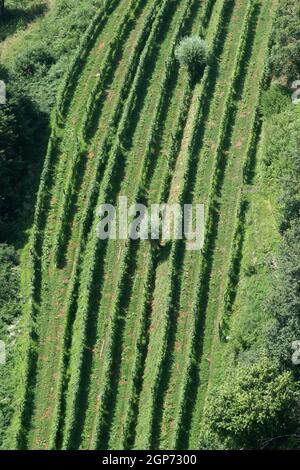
{"points": [[20, 123], [33, 60], [256, 403], [275, 100], [192, 53], [282, 159], [9, 277]]}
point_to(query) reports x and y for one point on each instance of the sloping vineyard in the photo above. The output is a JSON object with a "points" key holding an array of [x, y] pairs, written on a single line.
{"points": [[118, 341]]}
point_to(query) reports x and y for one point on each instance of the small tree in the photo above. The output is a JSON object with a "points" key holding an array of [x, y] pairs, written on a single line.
{"points": [[192, 53]]}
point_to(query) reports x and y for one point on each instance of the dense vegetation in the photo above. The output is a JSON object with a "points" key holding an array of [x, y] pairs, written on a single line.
{"points": [[135, 344], [192, 53], [10, 311], [254, 405]]}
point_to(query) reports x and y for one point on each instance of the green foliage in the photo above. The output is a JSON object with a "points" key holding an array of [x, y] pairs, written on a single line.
{"points": [[33, 79], [275, 100], [284, 303], [19, 125], [192, 53], [9, 285], [285, 41], [34, 60], [10, 311], [254, 404], [238, 238], [35, 65], [282, 170], [17, 14], [9, 155]]}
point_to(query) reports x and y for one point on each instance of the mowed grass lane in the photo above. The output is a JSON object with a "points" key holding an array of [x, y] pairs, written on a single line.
{"points": [[205, 155], [233, 180]]}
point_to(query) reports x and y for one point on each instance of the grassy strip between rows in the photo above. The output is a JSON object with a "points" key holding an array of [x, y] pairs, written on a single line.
{"points": [[27, 347], [145, 438], [89, 267]]}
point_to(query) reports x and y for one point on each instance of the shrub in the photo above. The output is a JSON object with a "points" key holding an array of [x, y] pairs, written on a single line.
{"points": [[275, 100], [20, 126], [33, 60], [9, 276], [255, 404], [192, 53]]}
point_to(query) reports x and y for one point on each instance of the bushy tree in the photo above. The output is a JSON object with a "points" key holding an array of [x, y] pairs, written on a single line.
{"points": [[9, 284], [192, 53], [33, 60], [255, 403]]}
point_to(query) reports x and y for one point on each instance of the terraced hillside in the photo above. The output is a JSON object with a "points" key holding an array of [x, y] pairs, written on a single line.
{"points": [[118, 342]]}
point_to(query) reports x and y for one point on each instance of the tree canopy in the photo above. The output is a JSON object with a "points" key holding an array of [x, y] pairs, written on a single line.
{"points": [[255, 403]]}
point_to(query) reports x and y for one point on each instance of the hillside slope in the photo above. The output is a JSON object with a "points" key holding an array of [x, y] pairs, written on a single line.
{"points": [[119, 341]]}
